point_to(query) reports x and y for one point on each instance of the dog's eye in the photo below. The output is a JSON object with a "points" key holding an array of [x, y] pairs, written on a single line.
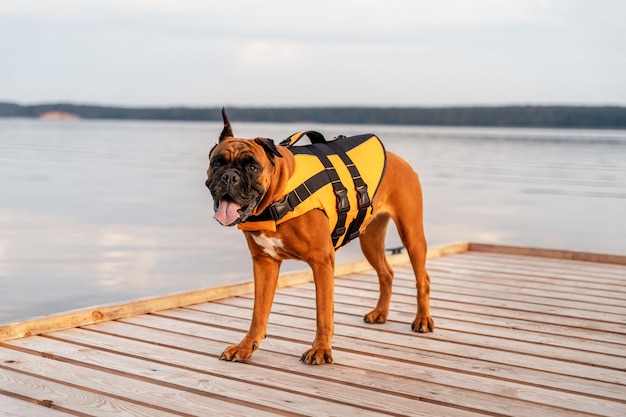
{"points": [[253, 169], [216, 163]]}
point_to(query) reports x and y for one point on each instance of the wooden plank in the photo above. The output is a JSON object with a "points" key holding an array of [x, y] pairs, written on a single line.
{"points": [[401, 344], [554, 285], [549, 253], [342, 317], [601, 301], [351, 313], [294, 379], [439, 283], [564, 282], [507, 306], [595, 319], [435, 381], [215, 339], [578, 329], [70, 398], [14, 407], [407, 381], [189, 371], [537, 314], [608, 274], [524, 265], [512, 261], [133, 389], [448, 340]]}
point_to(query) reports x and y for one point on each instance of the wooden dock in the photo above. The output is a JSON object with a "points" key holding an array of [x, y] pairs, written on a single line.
{"points": [[519, 332]]}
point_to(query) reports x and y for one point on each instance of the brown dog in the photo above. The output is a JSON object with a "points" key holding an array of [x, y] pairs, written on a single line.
{"points": [[247, 175]]}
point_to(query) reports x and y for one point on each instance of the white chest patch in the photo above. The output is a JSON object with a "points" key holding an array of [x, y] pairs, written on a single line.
{"points": [[269, 244]]}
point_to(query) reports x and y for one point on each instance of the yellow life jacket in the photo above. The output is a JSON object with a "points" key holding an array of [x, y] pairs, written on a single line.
{"points": [[339, 177]]}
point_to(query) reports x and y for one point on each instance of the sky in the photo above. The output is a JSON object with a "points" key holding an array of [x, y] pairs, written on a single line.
{"points": [[313, 53]]}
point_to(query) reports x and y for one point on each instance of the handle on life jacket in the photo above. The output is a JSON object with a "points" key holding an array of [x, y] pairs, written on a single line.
{"points": [[314, 136]]}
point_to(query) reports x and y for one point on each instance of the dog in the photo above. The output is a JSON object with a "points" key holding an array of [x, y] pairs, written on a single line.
{"points": [[246, 176]]}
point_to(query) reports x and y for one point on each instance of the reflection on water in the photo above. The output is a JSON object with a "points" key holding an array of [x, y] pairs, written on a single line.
{"points": [[96, 212]]}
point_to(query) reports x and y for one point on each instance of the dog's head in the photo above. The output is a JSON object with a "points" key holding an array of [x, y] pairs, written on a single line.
{"points": [[239, 175]]}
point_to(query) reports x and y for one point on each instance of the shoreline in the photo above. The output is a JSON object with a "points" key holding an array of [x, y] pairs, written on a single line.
{"points": [[510, 116]]}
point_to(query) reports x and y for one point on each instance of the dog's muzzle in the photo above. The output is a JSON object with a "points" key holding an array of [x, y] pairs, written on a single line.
{"points": [[230, 178], [232, 204]]}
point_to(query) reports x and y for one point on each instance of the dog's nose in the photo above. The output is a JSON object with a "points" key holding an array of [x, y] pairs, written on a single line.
{"points": [[231, 177]]}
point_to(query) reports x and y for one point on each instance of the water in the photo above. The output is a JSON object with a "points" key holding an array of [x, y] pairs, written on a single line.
{"points": [[98, 212]]}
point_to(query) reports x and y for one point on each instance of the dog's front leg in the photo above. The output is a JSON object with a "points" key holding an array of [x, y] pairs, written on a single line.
{"points": [[323, 275], [265, 280]]}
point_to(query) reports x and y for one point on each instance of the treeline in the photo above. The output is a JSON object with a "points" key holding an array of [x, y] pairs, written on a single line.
{"points": [[502, 116], [104, 112]]}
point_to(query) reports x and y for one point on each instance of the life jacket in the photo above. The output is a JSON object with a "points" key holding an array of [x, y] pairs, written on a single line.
{"points": [[339, 177]]}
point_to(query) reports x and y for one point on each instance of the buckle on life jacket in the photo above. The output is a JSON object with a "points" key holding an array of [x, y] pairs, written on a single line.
{"points": [[363, 197], [280, 208], [343, 204]]}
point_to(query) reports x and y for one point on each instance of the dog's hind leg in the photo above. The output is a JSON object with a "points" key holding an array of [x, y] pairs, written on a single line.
{"points": [[372, 241], [411, 231]]}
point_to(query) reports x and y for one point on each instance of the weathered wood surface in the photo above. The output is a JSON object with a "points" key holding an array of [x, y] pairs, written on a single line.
{"points": [[516, 335]]}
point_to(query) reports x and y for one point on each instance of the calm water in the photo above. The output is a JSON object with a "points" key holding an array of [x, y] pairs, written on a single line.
{"points": [[96, 212]]}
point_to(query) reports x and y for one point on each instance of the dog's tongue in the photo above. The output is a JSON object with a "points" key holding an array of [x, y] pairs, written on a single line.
{"points": [[227, 212]]}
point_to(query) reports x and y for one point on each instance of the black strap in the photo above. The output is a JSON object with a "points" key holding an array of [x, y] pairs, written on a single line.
{"points": [[313, 135], [363, 198], [341, 192], [279, 209]]}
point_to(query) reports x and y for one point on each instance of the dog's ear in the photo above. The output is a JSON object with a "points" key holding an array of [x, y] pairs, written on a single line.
{"points": [[227, 131], [269, 147]]}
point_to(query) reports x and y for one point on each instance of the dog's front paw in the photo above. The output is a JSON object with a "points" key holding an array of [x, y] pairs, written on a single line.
{"points": [[317, 356], [375, 316], [423, 324], [238, 353]]}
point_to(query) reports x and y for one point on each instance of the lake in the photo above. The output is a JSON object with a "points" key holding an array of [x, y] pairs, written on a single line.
{"points": [[97, 212]]}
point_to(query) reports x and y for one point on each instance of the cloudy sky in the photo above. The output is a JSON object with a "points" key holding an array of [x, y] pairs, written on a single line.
{"points": [[322, 52]]}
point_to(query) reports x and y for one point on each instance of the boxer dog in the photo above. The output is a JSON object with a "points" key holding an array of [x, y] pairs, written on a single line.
{"points": [[247, 175]]}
